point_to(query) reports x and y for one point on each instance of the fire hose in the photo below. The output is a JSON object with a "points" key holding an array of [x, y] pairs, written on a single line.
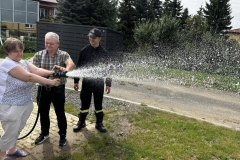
{"points": [[57, 74]]}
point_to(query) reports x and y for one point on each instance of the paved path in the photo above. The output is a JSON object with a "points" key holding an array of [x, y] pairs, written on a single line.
{"points": [[50, 147]]}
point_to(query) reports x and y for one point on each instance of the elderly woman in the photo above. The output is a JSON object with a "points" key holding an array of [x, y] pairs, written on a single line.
{"points": [[16, 81]]}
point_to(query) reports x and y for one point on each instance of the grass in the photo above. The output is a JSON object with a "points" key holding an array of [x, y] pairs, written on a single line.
{"points": [[190, 78], [71, 109], [28, 55], [150, 134], [182, 77], [25, 55]]}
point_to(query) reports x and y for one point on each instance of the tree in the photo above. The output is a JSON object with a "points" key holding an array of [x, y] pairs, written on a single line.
{"points": [[87, 12], [154, 10], [176, 8], [167, 8], [69, 13], [127, 19], [164, 31], [147, 10], [141, 7], [172, 8], [218, 15], [200, 11], [196, 27], [185, 16], [104, 13]]}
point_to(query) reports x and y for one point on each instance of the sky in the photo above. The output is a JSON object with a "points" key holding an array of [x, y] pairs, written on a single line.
{"points": [[194, 5]]}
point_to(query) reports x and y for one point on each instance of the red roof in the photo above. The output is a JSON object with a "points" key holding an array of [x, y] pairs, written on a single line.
{"points": [[48, 5], [234, 31]]}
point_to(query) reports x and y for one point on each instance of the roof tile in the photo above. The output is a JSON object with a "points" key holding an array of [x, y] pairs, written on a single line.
{"points": [[234, 31]]}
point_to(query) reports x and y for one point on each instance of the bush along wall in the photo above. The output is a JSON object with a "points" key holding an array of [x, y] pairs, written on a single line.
{"points": [[2, 53], [30, 44]]}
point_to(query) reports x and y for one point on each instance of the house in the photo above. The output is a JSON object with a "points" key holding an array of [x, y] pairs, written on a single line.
{"points": [[45, 11], [234, 34]]}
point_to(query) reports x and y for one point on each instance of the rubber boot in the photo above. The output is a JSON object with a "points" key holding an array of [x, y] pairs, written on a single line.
{"points": [[81, 122], [99, 119]]}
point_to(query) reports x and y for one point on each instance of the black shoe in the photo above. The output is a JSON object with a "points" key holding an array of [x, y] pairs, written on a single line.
{"points": [[41, 139], [100, 127], [79, 126], [63, 140]]}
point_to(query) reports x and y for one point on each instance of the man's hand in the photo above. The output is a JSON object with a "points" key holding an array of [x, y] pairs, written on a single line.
{"points": [[62, 69], [75, 86], [108, 89]]}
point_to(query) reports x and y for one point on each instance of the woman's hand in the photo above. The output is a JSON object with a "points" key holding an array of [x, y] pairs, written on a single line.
{"points": [[52, 72], [56, 82]]}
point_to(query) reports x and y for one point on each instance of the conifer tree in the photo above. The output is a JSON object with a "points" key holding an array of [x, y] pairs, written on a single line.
{"points": [[69, 13], [218, 15], [155, 10], [87, 12], [141, 7], [127, 19], [173, 8], [184, 16], [167, 7], [176, 8], [200, 11]]}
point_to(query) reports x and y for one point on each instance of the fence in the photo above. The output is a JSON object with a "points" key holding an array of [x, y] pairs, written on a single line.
{"points": [[5, 33], [74, 37]]}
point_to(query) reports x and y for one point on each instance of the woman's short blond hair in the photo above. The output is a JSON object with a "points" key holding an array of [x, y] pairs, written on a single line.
{"points": [[11, 45]]}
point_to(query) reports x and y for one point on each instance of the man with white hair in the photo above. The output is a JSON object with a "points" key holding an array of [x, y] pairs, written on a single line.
{"points": [[46, 59]]}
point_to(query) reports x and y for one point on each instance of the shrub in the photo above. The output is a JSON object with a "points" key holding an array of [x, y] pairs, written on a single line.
{"points": [[165, 30], [2, 53], [3, 27], [30, 44]]}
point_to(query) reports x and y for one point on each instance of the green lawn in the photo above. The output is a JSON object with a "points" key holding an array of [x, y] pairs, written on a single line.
{"points": [[141, 133], [25, 55], [28, 55], [182, 77]]}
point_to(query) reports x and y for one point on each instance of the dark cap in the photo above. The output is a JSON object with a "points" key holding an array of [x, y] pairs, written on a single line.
{"points": [[94, 33]]}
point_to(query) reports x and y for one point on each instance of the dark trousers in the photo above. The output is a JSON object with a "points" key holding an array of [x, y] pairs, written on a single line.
{"points": [[45, 97], [91, 87]]}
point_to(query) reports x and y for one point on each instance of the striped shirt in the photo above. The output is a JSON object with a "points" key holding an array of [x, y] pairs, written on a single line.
{"points": [[43, 60]]}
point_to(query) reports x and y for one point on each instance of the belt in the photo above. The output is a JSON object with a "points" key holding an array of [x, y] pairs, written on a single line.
{"points": [[49, 88]]}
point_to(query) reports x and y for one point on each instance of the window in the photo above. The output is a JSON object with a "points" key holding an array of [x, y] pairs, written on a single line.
{"points": [[55, 11], [43, 13], [28, 26]]}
